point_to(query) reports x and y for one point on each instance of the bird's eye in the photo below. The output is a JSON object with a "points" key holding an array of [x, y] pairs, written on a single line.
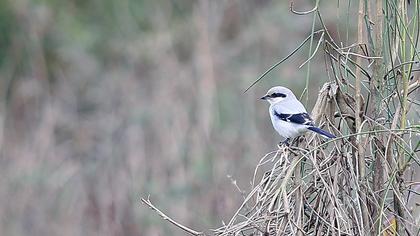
{"points": [[277, 95]]}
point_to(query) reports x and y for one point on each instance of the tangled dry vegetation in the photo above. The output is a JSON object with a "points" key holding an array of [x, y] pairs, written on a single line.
{"points": [[364, 182], [317, 188]]}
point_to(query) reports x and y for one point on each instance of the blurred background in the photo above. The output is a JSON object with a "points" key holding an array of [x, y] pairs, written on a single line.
{"points": [[105, 102]]}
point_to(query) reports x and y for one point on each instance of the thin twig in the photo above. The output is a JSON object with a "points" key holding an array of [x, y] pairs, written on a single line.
{"points": [[316, 49], [165, 217], [302, 12], [282, 60]]}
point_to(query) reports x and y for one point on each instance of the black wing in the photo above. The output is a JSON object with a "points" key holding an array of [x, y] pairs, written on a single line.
{"points": [[301, 118]]}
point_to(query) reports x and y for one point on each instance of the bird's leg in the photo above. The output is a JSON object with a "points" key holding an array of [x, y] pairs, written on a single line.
{"points": [[296, 141], [285, 143]]}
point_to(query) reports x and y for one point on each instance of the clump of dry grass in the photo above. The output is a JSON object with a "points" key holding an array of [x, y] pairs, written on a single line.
{"points": [[315, 188], [364, 181]]}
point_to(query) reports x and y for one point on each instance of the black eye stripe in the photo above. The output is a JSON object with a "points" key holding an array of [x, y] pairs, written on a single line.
{"points": [[276, 95]]}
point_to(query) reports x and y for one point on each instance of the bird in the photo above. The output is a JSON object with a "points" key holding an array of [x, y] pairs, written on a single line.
{"points": [[289, 116]]}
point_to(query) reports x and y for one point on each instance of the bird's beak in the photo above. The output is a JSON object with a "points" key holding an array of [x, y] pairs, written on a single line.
{"points": [[264, 98]]}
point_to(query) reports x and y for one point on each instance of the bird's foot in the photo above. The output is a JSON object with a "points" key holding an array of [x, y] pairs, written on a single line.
{"points": [[285, 143]]}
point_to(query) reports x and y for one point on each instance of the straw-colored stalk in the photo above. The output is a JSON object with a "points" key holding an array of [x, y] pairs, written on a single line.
{"points": [[360, 146], [376, 90]]}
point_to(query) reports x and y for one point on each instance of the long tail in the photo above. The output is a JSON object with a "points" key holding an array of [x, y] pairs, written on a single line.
{"points": [[321, 132]]}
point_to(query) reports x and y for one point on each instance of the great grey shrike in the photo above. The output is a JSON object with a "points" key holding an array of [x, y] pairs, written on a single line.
{"points": [[289, 116]]}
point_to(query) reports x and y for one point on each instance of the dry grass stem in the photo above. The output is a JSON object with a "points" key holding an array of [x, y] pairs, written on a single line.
{"points": [[170, 220]]}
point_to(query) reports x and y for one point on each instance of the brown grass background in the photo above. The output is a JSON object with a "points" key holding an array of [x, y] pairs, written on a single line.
{"points": [[104, 102]]}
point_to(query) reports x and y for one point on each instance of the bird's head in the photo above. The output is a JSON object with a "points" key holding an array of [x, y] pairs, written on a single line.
{"points": [[278, 94]]}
